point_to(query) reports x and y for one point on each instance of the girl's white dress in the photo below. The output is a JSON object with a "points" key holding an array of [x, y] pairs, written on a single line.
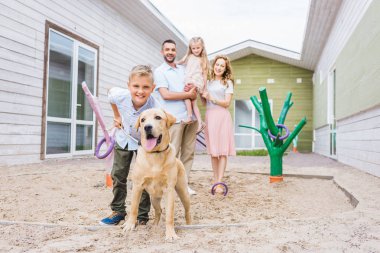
{"points": [[193, 72]]}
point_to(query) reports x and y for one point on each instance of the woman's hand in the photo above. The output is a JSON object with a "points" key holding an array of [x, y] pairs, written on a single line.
{"points": [[206, 95]]}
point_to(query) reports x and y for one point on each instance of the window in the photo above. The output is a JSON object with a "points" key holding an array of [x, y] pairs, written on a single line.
{"points": [[69, 119], [246, 114]]}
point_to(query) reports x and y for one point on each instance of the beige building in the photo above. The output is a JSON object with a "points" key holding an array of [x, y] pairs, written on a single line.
{"points": [[47, 49]]}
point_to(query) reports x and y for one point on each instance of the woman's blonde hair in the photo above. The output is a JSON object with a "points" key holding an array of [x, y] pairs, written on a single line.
{"points": [[227, 75], [141, 70], [204, 60]]}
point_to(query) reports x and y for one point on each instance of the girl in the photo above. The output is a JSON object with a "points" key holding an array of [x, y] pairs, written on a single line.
{"points": [[219, 130], [195, 73]]}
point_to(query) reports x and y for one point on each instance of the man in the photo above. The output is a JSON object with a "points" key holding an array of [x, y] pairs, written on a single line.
{"points": [[169, 79]]}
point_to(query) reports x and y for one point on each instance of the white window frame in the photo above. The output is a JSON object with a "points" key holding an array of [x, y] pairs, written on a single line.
{"points": [[73, 121], [253, 133], [331, 115]]}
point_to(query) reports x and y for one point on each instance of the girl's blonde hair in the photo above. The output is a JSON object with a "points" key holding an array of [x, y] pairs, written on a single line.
{"points": [[227, 75], [204, 60]]}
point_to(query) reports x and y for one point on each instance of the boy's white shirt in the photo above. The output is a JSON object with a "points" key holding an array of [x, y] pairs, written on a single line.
{"points": [[123, 100]]}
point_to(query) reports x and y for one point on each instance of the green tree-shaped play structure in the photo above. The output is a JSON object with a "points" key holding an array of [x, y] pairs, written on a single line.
{"points": [[276, 146]]}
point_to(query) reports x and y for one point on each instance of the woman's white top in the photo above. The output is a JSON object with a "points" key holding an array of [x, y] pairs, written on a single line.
{"points": [[218, 91]]}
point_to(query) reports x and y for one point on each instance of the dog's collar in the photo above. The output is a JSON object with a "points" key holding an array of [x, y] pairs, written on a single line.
{"points": [[159, 151]]}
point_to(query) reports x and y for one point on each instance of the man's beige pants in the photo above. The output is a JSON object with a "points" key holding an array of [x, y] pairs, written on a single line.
{"points": [[183, 138]]}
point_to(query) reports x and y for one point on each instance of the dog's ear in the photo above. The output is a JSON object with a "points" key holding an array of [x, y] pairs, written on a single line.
{"points": [[138, 123], [170, 119]]}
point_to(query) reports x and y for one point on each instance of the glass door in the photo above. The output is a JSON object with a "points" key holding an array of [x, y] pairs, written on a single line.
{"points": [[332, 112], [59, 95], [70, 120], [244, 115], [84, 127]]}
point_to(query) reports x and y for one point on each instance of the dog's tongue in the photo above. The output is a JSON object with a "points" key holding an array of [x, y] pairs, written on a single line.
{"points": [[150, 144]]}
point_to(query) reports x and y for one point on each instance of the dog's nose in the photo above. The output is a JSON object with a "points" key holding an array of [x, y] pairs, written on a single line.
{"points": [[148, 128]]}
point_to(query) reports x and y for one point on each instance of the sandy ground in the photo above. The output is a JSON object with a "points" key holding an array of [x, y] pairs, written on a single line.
{"points": [[322, 206]]}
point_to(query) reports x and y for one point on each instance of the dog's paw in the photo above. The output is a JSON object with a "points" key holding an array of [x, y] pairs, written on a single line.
{"points": [[171, 236], [128, 226]]}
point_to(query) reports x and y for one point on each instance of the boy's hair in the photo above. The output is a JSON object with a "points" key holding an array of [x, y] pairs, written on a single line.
{"points": [[168, 41], [204, 60], [141, 70], [227, 75]]}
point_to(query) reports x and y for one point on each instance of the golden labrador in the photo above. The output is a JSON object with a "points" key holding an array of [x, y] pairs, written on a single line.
{"points": [[158, 171]]}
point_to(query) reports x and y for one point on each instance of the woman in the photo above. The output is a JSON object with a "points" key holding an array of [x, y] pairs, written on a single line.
{"points": [[219, 130]]}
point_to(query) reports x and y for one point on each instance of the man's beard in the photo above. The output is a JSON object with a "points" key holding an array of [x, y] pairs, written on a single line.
{"points": [[167, 60]]}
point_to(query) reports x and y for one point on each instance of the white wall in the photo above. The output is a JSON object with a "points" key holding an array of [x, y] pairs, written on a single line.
{"points": [[321, 145], [358, 141], [22, 34]]}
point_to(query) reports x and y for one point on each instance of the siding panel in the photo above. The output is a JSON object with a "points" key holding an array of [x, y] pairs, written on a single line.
{"points": [[358, 141], [19, 88], [19, 99], [22, 36], [20, 109], [322, 141], [7, 151]]}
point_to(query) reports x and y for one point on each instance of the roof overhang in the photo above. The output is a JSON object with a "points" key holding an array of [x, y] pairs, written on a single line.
{"points": [[321, 17], [148, 18], [248, 47]]}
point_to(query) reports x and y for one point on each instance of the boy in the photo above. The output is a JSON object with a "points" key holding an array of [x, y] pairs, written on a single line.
{"points": [[127, 106]]}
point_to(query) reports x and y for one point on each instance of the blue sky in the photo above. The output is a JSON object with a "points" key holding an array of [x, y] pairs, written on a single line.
{"points": [[223, 23]]}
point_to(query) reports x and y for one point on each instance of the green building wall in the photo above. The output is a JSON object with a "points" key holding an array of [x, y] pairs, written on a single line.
{"points": [[254, 70], [320, 104], [357, 72], [358, 67]]}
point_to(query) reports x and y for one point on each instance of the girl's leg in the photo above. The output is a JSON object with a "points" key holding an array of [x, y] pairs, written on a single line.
{"points": [[201, 124], [214, 164], [189, 111]]}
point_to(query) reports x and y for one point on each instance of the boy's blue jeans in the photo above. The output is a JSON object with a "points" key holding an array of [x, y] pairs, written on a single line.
{"points": [[120, 171]]}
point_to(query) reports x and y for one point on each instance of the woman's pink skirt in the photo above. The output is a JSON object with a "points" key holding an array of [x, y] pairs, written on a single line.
{"points": [[219, 133]]}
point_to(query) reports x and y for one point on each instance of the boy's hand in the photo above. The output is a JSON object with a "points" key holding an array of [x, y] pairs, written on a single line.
{"points": [[117, 122]]}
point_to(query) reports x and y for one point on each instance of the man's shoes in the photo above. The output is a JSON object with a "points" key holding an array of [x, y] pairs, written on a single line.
{"points": [[191, 191], [113, 219], [187, 121]]}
